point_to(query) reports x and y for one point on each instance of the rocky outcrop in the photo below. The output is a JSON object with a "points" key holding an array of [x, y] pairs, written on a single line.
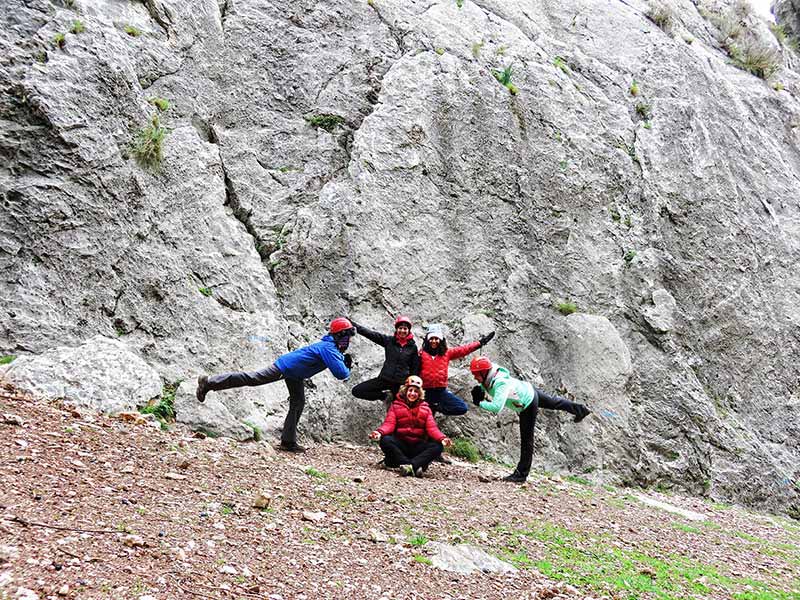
{"points": [[363, 158], [101, 374]]}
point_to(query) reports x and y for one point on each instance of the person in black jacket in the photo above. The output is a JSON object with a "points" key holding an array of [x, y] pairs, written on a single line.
{"points": [[402, 360]]}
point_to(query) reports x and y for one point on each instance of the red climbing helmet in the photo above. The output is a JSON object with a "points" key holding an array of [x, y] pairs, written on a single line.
{"points": [[340, 324], [402, 319], [480, 364]]}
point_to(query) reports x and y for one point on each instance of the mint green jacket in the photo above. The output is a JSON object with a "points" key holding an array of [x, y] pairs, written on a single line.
{"points": [[503, 390]]}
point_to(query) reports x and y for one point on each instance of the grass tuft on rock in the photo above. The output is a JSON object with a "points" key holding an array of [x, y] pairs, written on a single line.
{"points": [[325, 121], [78, 27], [756, 57], [8, 359], [464, 448], [164, 406], [148, 145], [60, 40], [662, 16], [504, 77], [567, 308], [132, 31], [161, 104]]}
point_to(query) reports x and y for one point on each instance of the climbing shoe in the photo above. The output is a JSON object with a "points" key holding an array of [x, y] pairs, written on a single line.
{"points": [[407, 470], [516, 477], [582, 413], [296, 448], [419, 472], [202, 388]]}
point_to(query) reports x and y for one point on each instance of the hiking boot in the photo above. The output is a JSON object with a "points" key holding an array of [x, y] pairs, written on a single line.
{"points": [[419, 472], [516, 477], [445, 460], [297, 448], [407, 470], [582, 413], [202, 388]]}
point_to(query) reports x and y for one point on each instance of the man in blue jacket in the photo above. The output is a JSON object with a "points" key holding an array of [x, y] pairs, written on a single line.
{"points": [[293, 367]]}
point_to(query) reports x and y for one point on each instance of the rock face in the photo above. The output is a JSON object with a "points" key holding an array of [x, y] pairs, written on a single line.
{"points": [[466, 559], [361, 158], [102, 374]]}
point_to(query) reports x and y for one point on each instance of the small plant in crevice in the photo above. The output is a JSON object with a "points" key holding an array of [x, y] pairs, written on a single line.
{"points": [[439, 51], [614, 212], [132, 31], [476, 49], [644, 110], [60, 40], [418, 540], [164, 406], [756, 57], [257, 435], [77, 27], [662, 16], [501, 51], [205, 291], [161, 104], [148, 144], [460, 3], [779, 31], [629, 256], [560, 63], [567, 308], [504, 77], [634, 89], [777, 86], [8, 359], [325, 121]]}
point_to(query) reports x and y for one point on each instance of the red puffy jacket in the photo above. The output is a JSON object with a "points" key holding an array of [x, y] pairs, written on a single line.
{"points": [[433, 369], [412, 424]]}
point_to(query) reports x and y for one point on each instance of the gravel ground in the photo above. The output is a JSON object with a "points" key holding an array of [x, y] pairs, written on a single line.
{"points": [[99, 507]]}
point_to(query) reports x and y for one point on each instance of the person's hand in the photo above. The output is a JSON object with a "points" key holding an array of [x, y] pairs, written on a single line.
{"points": [[478, 395], [486, 339], [375, 435], [447, 442], [348, 361]]}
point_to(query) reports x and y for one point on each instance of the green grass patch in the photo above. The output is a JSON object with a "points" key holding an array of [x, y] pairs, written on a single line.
{"points": [[132, 31], [9, 358], [464, 448], [77, 27], [686, 528], [163, 407], [418, 540], [504, 77], [205, 291], [312, 472], [257, 436], [161, 104], [328, 122], [561, 64], [60, 40], [148, 145], [567, 308], [576, 479], [423, 560]]}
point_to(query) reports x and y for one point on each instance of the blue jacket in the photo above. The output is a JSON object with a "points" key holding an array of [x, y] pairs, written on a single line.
{"points": [[309, 360]]}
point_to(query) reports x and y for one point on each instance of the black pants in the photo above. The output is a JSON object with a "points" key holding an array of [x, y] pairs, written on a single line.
{"points": [[527, 422], [398, 452], [375, 389], [297, 394]]}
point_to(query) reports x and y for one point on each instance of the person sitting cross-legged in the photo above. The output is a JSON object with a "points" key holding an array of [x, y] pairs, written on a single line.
{"points": [[409, 436]]}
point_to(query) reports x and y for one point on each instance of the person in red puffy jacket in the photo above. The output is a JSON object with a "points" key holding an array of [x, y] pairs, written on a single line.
{"points": [[435, 359], [409, 436]]}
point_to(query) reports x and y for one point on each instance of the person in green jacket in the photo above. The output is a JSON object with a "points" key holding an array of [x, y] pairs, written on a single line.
{"points": [[521, 397]]}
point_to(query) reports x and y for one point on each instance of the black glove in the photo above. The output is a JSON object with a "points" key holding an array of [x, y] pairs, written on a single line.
{"points": [[486, 339], [354, 324], [348, 361], [478, 395]]}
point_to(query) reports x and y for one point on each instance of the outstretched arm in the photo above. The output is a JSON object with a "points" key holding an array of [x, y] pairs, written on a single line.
{"points": [[372, 336], [335, 361], [462, 351]]}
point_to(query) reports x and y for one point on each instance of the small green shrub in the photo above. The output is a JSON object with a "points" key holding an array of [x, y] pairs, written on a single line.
{"points": [[147, 146], [439, 51], [504, 77], [312, 472], [644, 110], [730, 29], [328, 122], [560, 63], [205, 291], [78, 27], [8, 359], [164, 408], [132, 31], [779, 31], [460, 3], [629, 256], [777, 86], [60, 40], [634, 88], [662, 16], [424, 560], [464, 448], [161, 104], [756, 57], [257, 436], [418, 540], [567, 308]]}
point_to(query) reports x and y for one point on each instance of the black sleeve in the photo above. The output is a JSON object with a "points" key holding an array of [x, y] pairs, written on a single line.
{"points": [[415, 362], [373, 336]]}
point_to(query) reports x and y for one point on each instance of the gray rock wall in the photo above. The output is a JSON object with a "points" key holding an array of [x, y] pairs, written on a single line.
{"points": [[437, 193]]}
